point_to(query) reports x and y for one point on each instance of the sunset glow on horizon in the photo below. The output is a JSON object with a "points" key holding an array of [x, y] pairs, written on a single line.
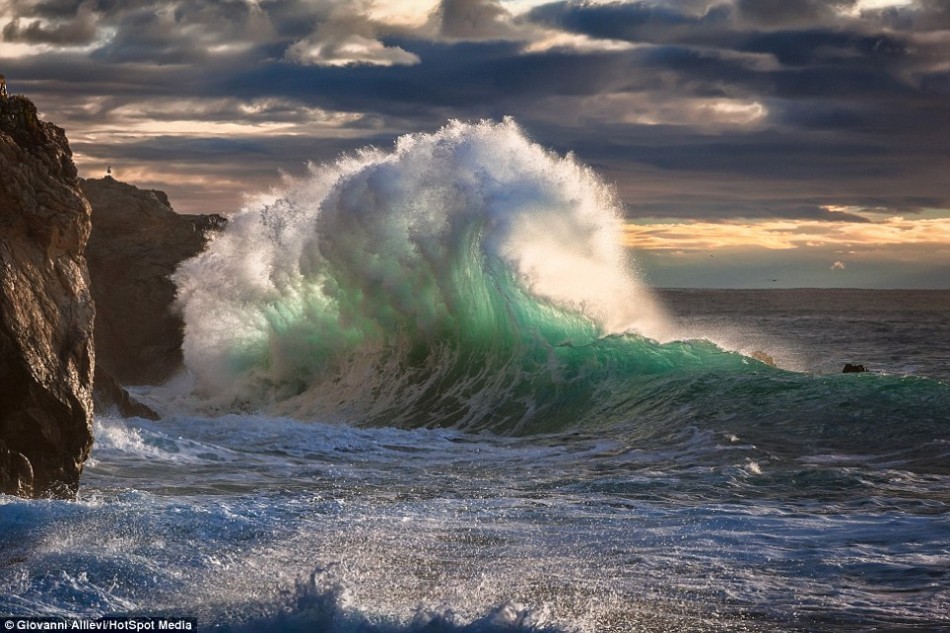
{"points": [[788, 234]]}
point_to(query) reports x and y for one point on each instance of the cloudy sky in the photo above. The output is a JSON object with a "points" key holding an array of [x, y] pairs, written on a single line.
{"points": [[754, 143]]}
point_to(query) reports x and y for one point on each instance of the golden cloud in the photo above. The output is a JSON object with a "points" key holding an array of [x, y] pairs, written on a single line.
{"points": [[786, 234]]}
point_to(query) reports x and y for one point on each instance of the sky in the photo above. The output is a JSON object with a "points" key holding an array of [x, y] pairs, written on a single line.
{"points": [[753, 143]]}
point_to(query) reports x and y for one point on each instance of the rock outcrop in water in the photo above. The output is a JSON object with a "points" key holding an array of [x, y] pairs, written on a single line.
{"points": [[46, 310], [137, 242], [111, 397]]}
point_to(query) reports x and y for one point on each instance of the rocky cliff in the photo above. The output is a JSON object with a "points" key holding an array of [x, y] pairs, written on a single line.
{"points": [[137, 242], [46, 311]]}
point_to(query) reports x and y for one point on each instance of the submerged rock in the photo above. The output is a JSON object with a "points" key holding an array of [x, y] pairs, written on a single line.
{"points": [[137, 242], [46, 310]]}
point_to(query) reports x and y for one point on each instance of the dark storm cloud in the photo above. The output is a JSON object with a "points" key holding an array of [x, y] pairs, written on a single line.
{"points": [[474, 20], [469, 77], [67, 24], [849, 98], [185, 33], [758, 108], [927, 15], [784, 12], [674, 173], [637, 21], [810, 47], [204, 154], [51, 9]]}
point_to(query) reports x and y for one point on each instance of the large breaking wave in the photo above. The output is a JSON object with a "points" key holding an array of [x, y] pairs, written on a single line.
{"points": [[445, 281]]}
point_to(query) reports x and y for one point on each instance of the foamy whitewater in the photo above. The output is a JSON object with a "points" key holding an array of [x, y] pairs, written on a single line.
{"points": [[426, 390]]}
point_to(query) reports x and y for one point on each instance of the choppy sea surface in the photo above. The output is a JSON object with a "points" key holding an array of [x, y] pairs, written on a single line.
{"points": [[424, 393], [818, 331]]}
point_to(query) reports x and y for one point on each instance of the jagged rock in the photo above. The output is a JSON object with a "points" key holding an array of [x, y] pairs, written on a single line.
{"points": [[137, 242], [46, 310], [853, 369], [110, 396]]}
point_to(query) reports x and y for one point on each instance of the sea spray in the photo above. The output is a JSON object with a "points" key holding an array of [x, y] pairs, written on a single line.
{"points": [[448, 276]]}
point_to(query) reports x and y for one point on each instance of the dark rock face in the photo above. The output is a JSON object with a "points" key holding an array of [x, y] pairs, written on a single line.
{"points": [[853, 369], [137, 242], [46, 310], [109, 396]]}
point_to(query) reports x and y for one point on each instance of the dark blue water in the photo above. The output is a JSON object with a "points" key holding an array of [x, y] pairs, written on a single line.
{"points": [[745, 499]]}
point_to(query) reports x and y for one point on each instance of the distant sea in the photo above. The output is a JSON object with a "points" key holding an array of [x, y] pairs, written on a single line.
{"points": [[898, 332]]}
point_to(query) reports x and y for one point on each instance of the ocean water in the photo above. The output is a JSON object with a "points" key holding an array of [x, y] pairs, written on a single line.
{"points": [[426, 391]]}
